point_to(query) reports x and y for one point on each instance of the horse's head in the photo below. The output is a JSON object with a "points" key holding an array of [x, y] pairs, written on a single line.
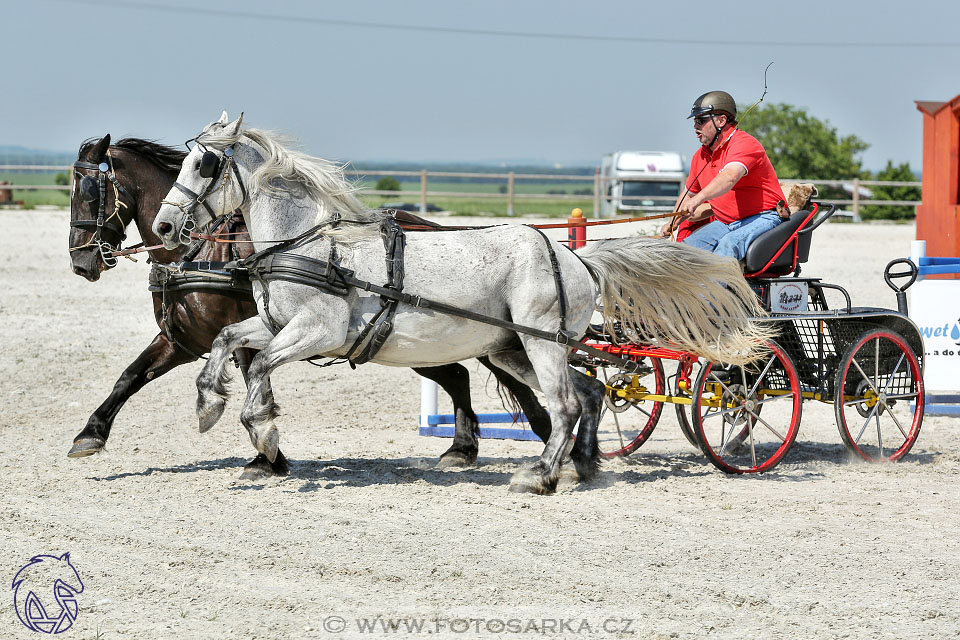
{"points": [[208, 184], [100, 209]]}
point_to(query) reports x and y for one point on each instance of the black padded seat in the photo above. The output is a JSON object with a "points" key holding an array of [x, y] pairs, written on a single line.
{"points": [[795, 248]]}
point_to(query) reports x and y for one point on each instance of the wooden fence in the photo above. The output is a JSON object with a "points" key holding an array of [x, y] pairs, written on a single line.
{"points": [[596, 183]]}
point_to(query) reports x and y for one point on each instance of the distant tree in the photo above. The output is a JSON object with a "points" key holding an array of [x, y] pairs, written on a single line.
{"points": [[898, 173], [802, 146], [61, 179], [387, 183]]}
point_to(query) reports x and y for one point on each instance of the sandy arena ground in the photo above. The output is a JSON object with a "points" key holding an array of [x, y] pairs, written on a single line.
{"points": [[662, 545]]}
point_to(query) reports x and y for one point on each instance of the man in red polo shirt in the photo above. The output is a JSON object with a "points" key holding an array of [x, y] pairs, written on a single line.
{"points": [[731, 178]]}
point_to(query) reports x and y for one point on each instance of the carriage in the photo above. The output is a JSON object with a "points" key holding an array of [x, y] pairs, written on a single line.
{"points": [[867, 362], [524, 319]]}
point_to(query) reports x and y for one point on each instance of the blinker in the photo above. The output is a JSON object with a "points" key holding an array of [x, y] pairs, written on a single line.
{"points": [[89, 191], [208, 164]]}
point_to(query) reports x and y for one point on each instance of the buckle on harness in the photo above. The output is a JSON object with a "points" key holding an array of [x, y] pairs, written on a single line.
{"points": [[564, 337]]}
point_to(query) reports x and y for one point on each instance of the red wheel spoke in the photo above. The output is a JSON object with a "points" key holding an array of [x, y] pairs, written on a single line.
{"points": [[891, 399], [743, 391]]}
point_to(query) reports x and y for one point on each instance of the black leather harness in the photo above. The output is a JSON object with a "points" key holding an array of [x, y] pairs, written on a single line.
{"points": [[195, 275], [271, 264], [89, 193], [330, 277]]}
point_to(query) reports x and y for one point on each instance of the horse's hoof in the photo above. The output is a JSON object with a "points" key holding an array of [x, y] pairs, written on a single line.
{"points": [[569, 472], [260, 468], [455, 459], [86, 447], [525, 481], [209, 413]]}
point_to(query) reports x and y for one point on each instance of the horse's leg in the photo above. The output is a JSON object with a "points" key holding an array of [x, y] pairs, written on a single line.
{"points": [[159, 357], [213, 379], [259, 467], [544, 364], [455, 380], [585, 454], [536, 413], [303, 336]]}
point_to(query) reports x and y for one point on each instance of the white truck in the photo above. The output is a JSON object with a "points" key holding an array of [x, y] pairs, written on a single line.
{"points": [[640, 181]]}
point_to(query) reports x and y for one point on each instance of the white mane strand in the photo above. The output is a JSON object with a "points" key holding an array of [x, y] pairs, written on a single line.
{"points": [[323, 180]]}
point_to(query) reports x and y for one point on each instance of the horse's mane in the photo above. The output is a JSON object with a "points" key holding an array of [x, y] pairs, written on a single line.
{"points": [[322, 179], [167, 158]]}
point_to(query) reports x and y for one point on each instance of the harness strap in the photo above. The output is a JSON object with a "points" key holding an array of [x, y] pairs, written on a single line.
{"points": [[423, 303], [194, 249], [268, 265], [196, 198], [381, 325], [562, 334]]}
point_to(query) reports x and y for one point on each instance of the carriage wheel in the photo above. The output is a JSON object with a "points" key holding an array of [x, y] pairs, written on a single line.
{"points": [[684, 375], [625, 423], [727, 404], [878, 381]]}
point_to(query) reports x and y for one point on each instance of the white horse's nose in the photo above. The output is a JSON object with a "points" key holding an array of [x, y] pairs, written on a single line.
{"points": [[164, 228]]}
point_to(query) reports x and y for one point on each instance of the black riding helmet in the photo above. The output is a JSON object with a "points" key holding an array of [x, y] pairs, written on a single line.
{"points": [[714, 102]]}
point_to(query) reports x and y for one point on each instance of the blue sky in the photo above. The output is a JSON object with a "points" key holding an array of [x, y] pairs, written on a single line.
{"points": [[421, 81]]}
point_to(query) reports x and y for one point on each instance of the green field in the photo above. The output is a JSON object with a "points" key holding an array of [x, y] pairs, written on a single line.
{"points": [[584, 187], [32, 198], [496, 206]]}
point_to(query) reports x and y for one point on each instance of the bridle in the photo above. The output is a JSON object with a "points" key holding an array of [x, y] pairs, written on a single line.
{"points": [[90, 191], [210, 166]]}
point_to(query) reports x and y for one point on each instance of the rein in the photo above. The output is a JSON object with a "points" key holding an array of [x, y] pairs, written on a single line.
{"points": [[423, 227], [337, 280]]}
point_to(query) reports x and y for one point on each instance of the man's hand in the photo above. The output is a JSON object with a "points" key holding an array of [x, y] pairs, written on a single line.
{"points": [[689, 205], [667, 230]]}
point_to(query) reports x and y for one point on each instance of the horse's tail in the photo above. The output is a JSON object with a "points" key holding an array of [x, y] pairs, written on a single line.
{"points": [[674, 295], [509, 402]]}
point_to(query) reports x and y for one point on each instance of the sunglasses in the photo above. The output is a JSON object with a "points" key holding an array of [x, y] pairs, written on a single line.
{"points": [[702, 120]]}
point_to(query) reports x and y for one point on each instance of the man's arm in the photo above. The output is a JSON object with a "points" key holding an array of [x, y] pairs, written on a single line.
{"points": [[670, 226], [723, 183], [703, 211]]}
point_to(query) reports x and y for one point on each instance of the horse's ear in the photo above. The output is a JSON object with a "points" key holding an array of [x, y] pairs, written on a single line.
{"points": [[224, 119], [100, 149], [234, 127], [66, 556]]}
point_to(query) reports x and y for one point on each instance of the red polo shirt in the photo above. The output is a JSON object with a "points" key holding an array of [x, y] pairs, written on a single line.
{"points": [[757, 191]]}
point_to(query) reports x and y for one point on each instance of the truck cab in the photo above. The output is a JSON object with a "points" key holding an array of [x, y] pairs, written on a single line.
{"points": [[640, 181]]}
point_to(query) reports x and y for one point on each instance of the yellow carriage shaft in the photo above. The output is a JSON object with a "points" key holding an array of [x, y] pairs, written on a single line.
{"points": [[638, 393]]}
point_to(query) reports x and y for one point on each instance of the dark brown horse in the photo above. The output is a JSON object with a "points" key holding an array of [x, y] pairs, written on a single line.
{"points": [[139, 173]]}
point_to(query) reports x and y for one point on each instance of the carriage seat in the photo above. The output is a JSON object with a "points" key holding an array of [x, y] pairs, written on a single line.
{"points": [[784, 248]]}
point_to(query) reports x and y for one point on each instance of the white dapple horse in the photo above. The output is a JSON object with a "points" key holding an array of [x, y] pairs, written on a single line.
{"points": [[663, 291]]}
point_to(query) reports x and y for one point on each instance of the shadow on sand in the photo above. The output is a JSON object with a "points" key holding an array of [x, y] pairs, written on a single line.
{"points": [[636, 469]]}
